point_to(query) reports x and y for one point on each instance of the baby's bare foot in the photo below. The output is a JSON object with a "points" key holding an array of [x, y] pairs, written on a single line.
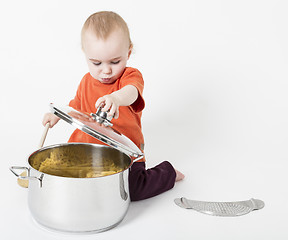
{"points": [[179, 176]]}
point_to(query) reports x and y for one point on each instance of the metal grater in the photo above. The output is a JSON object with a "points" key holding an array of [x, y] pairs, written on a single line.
{"points": [[224, 209]]}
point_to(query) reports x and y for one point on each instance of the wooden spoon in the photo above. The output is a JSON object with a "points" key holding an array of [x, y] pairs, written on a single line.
{"points": [[25, 182]]}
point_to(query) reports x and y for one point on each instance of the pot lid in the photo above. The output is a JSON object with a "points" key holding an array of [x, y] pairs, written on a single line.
{"points": [[106, 134]]}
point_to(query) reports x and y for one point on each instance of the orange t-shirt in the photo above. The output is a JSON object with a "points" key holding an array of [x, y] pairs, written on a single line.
{"points": [[129, 121]]}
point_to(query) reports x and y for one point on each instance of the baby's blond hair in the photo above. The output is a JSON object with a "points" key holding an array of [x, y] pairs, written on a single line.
{"points": [[103, 23]]}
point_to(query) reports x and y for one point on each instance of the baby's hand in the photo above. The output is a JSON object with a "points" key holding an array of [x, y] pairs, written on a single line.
{"points": [[111, 103], [51, 118]]}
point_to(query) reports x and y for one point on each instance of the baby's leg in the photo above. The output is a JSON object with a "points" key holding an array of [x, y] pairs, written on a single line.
{"points": [[151, 182]]}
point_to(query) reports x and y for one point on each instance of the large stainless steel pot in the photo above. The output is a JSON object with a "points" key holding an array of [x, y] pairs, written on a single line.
{"points": [[79, 203], [76, 204]]}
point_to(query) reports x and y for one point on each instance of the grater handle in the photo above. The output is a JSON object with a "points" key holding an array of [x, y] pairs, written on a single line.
{"points": [[257, 204]]}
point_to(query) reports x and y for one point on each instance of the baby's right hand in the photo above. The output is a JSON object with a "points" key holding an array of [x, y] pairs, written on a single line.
{"points": [[51, 118]]}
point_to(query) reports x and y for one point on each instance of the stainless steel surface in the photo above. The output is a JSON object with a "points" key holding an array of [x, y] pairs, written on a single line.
{"points": [[28, 177], [79, 204], [227, 209], [102, 117], [108, 135]]}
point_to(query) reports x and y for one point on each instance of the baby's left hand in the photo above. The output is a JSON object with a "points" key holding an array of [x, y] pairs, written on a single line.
{"points": [[111, 103]]}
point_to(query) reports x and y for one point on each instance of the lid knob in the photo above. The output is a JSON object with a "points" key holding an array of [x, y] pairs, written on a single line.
{"points": [[102, 117]]}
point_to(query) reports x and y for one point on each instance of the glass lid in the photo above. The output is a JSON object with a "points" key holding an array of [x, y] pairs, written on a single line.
{"points": [[106, 134]]}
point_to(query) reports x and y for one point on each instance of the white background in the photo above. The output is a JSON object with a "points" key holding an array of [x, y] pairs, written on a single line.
{"points": [[216, 107]]}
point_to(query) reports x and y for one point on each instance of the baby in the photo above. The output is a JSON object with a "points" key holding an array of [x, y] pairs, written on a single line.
{"points": [[107, 47]]}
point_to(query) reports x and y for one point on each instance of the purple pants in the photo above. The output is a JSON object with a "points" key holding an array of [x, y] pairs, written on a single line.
{"points": [[151, 182]]}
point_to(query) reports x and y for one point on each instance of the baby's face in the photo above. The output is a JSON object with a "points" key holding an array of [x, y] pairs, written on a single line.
{"points": [[106, 59]]}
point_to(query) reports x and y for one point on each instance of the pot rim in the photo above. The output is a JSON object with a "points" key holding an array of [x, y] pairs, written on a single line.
{"points": [[65, 144]]}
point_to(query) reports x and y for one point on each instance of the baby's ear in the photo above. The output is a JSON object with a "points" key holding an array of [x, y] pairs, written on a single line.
{"points": [[130, 50]]}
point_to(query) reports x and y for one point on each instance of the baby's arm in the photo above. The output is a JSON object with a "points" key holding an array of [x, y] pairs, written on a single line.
{"points": [[123, 97]]}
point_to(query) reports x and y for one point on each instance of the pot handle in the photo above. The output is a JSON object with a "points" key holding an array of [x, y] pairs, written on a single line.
{"points": [[23, 177]]}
